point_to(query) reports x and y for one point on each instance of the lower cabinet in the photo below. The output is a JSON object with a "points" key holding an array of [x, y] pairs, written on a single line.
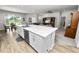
{"points": [[35, 42], [20, 31], [40, 44]]}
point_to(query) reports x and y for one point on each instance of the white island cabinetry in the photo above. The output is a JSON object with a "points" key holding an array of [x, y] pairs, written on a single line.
{"points": [[41, 44], [41, 38], [35, 41], [20, 31]]}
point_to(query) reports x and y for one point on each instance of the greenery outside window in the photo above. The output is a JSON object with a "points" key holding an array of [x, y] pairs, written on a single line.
{"points": [[13, 19]]}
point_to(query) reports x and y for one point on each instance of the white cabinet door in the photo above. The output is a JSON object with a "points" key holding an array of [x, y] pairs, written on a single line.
{"points": [[17, 29], [20, 31], [35, 41], [38, 43], [52, 40], [31, 40]]}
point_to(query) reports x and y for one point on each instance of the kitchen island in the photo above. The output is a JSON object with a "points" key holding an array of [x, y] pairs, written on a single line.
{"points": [[41, 38]]}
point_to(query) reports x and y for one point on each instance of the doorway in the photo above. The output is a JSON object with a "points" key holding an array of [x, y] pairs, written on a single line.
{"points": [[63, 22]]}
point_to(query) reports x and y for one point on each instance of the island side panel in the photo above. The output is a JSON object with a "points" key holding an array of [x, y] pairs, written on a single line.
{"points": [[41, 44]]}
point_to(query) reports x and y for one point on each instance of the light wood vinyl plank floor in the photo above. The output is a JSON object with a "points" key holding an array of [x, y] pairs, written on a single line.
{"points": [[9, 44]]}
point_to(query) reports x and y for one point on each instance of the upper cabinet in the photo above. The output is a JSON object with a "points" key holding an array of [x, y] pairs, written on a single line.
{"points": [[49, 21], [56, 15]]}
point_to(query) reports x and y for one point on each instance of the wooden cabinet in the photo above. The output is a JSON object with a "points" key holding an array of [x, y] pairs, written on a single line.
{"points": [[71, 30]]}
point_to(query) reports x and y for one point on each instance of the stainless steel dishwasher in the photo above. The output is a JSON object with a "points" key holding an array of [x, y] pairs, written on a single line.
{"points": [[26, 35]]}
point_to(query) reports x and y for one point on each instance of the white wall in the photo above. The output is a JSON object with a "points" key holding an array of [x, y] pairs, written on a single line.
{"points": [[1, 18], [78, 8], [68, 19], [77, 36], [67, 14]]}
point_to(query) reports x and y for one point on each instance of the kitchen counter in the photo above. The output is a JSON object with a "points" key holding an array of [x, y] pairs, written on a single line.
{"points": [[43, 31], [41, 38]]}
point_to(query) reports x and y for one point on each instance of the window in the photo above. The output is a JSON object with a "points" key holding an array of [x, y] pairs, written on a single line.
{"points": [[13, 19]]}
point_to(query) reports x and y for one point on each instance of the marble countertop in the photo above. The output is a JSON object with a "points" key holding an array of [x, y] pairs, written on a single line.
{"points": [[43, 31]]}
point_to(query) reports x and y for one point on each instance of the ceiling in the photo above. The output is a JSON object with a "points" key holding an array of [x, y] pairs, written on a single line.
{"points": [[36, 8]]}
